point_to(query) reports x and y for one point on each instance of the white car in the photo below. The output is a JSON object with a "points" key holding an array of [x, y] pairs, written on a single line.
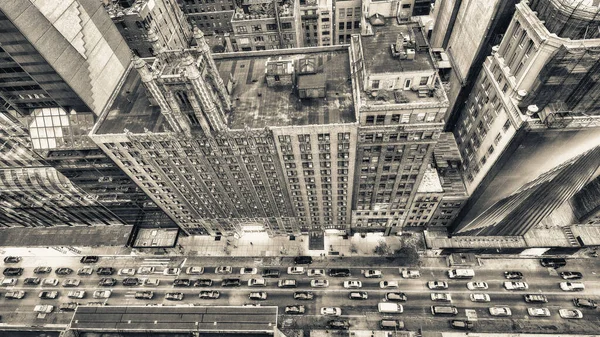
{"points": [[500, 311], [331, 311], [50, 282], [516, 285], [315, 272], [480, 297], [538, 312], [388, 284], [570, 313], [352, 284], [572, 286], [477, 285], [319, 283], [171, 271], [437, 285], [102, 294], [79, 294], [257, 282], [223, 270], [194, 270], [295, 270], [371, 273], [250, 271], [152, 282], [410, 273], [127, 271], [442, 297], [145, 270]]}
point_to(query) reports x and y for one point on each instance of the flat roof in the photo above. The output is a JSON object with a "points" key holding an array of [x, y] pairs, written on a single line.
{"points": [[430, 182], [215, 319], [131, 110], [78, 236], [155, 237], [378, 55], [255, 105]]}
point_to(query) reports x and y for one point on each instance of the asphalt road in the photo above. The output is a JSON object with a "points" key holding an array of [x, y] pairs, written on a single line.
{"points": [[362, 314]]}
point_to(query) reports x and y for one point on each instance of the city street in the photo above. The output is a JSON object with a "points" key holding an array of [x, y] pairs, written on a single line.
{"points": [[362, 314]]}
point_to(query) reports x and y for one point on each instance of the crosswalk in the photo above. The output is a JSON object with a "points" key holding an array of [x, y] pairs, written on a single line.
{"points": [[155, 262]]}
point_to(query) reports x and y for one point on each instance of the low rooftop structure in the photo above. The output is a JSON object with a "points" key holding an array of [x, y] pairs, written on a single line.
{"points": [[430, 183]]}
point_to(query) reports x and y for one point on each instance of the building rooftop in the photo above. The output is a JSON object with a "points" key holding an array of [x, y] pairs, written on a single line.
{"points": [[131, 110], [430, 183], [76, 236], [256, 106], [377, 49]]}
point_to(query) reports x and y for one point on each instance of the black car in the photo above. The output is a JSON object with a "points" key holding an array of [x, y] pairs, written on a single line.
{"points": [[231, 282], [63, 271], [31, 281], [272, 273], [461, 324], [202, 283], [42, 270], [585, 303], [13, 271], [553, 262], [181, 282], [131, 281], [303, 260], [89, 259], [107, 282], [513, 275], [571, 275], [339, 272], [105, 271], [48, 295], [341, 324], [12, 259], [303, 295]]}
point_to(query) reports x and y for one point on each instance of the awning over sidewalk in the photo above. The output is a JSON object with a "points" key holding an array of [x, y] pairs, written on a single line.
{"points": [[65, 236]]}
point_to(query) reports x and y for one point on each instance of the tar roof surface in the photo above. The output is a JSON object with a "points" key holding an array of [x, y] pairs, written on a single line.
{"points": [[131, 110], [257, 106], [78, 236], [378, 55]]}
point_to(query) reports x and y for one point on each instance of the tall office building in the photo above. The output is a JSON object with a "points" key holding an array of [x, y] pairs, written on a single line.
{"points": [[144, 22], [60, 64]]}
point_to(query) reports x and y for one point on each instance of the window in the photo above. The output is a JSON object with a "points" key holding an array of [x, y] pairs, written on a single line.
{"points": [[405, 5], [407, 84], [349, 25], [271, 26], [356, 24], [375, 84], [341, 27], [424, 80], [241, 29], [506, 125], [286, 25]]}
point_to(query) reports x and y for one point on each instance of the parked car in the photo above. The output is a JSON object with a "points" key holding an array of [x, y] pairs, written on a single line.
{"points": [[147, 270], [570, 313], [63, 271], [395, 297], [42, 270], [144, 295], [287, 283], [388, 284], [535, 298], [127, 271], [410, 273], [79, 294], [85, 271], [339, 324], [441, 297], [372, 273], [105, 271], [437, 285], [358, 295], [43, 308], [500, 311], [315, 272], [553, 262], [181, 282], [224, 270], [250, 271], [14, 295], [257, 282], [571, 275], [101, 294], [339, 272], [12, 259], [271, 273], [258, 296], [294, 309], [331, 311], [194, 270], [174, 296], [50, 282], [477, 285], [48, 295], [171, 271], [151, 282], [319, 283], [32, 281], [231, 282], [107, 282], [352, 284], [480, 297], [303, 260], [303, 295], [572, 286], [585, 303], [513, 275], [461, 324], [13, 271], [69, 306], [296, 270], [516, 285], [538, 312], [202, 283], [7, 282], [131, 281], [71, 282], [209, 294], [89, 259]]}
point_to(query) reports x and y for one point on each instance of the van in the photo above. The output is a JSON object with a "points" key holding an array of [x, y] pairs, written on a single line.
{"points": [[303, 260], [461, 273], [390, 308], [444, 310], [391, 324]]}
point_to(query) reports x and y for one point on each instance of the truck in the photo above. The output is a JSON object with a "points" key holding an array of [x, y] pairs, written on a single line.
{"points": [[461, 273]]}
